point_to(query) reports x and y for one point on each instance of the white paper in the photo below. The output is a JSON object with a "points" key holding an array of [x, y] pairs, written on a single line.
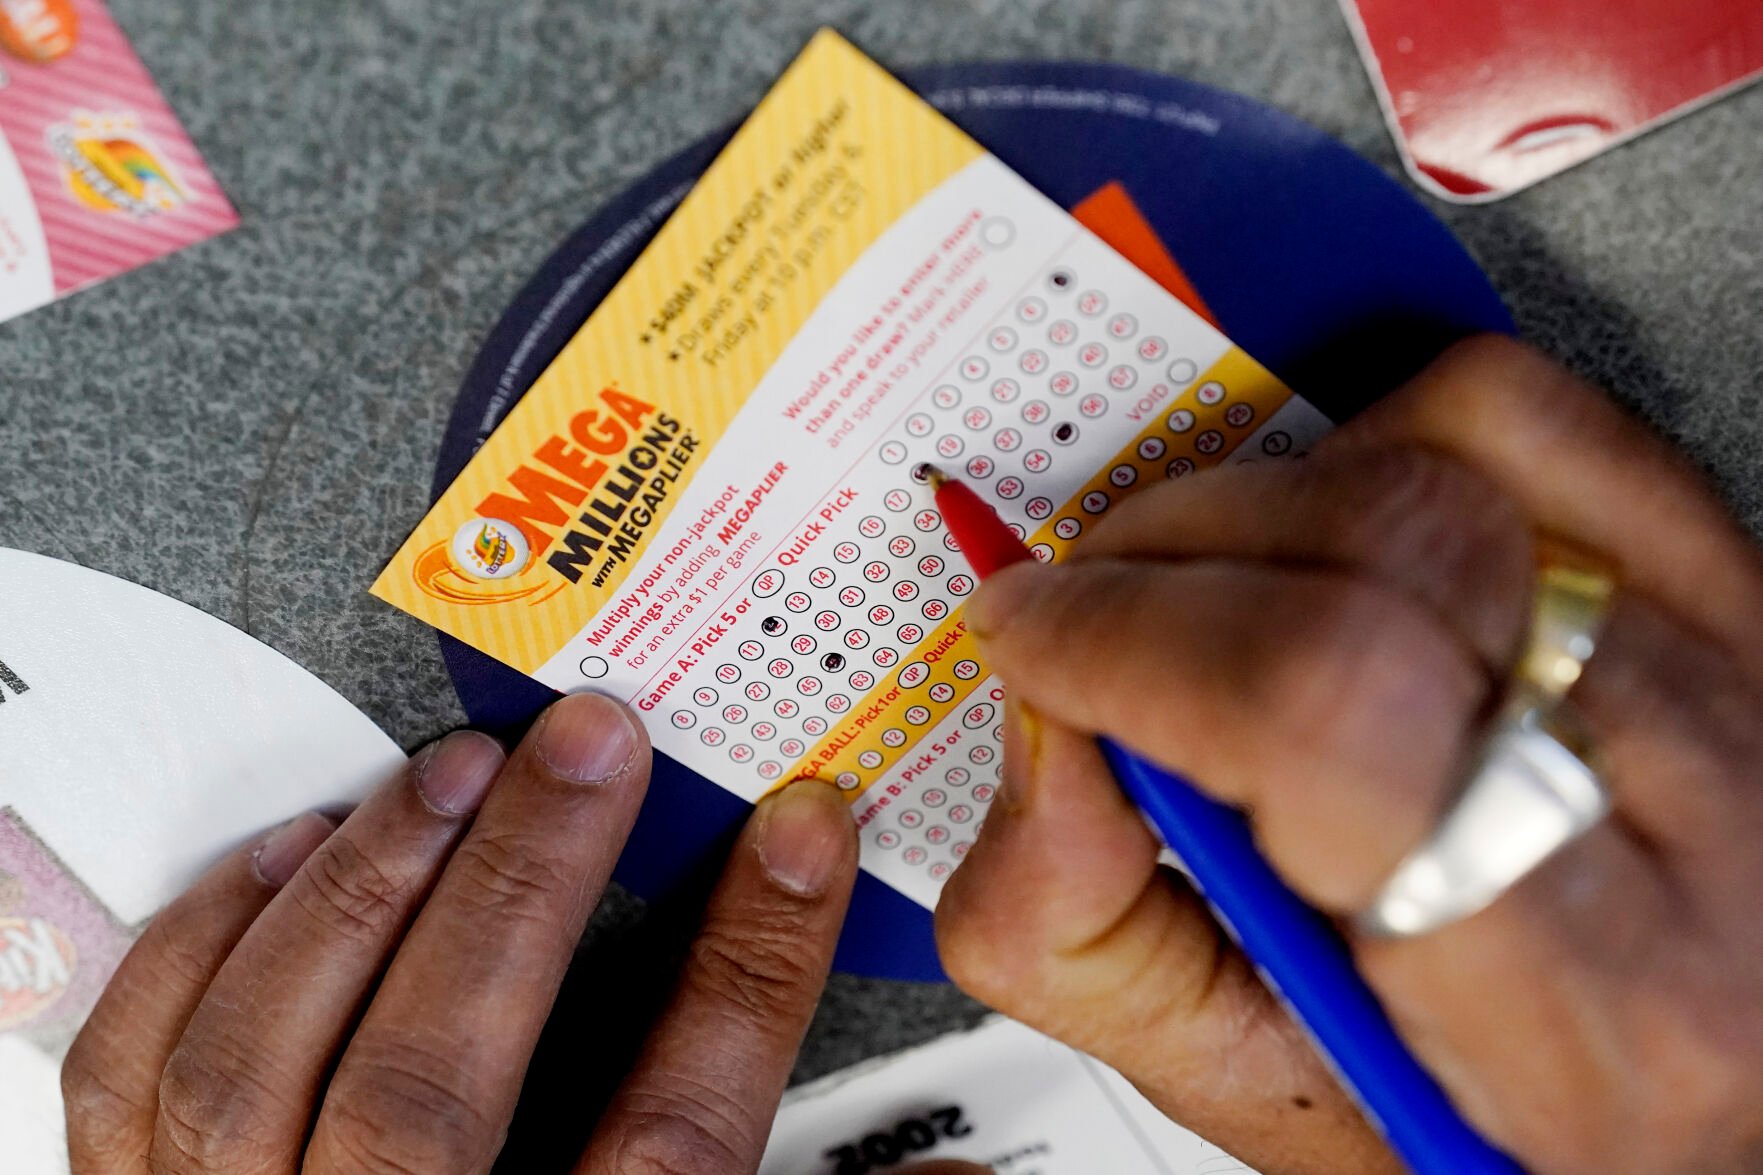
{"points": [[1002, 1095], [150, 738]]}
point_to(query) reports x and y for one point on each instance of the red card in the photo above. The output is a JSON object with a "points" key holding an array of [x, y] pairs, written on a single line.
{"points": [[1111, 214], [1489, 96]]}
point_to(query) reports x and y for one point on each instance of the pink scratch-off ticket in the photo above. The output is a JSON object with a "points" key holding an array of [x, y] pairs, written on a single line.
{"points": [[58, 943], [96, 174]]}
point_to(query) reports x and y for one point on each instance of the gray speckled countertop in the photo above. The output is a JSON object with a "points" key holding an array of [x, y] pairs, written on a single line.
{"points": [[403, 165]]}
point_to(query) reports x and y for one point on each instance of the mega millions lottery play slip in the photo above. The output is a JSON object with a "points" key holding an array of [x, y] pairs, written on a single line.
{"points": [[708, 504]]}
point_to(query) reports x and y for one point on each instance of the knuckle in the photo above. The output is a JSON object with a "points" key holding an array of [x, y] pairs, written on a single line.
{"points": [[1497, 367], [1355, 658], [1440, 531], [1496, 378], [758, 966], [1300, 668], [673, 1128], [407, 1109], [346, 893], [1409, 507], [170, 1157], [216, 1103], [1106, 597], [980, 952], [974, 965], [180, 957], [515, 875], [1111, 589], [1051, 645], [98, 1114], [1487, 351], [1063, 619]]}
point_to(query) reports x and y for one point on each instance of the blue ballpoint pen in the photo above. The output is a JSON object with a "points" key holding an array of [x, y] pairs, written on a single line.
{"points": [[1297, 950]]}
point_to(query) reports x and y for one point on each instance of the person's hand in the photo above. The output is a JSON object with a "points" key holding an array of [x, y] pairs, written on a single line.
{"points": [[365, 997], [1320, 642]]}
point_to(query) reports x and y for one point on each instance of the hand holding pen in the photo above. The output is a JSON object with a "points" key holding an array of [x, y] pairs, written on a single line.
{"points": [[1334, 646]]}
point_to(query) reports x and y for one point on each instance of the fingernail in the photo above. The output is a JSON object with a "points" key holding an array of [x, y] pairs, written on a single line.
{"points": [[280, 857], [587, 738], [804, 836], [454, 775], [1009, 592]]}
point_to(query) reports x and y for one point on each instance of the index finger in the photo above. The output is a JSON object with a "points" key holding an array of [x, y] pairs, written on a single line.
{"points": [[429, 1080], [701, 1098]]}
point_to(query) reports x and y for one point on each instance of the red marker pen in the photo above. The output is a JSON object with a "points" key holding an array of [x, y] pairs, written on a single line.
{"points": [[985, 540]]}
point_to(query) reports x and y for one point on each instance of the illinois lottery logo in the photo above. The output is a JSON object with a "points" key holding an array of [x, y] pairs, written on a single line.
{"points": [[38, 31], [110, 166], [479, 566], [36, 961], [488, 548]]}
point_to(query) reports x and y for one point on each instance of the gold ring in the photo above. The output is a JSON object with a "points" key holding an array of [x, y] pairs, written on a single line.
{"points": [[1569, 606], [1532, 784]]}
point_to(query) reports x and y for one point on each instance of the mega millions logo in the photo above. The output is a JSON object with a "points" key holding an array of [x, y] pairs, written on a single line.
{"points": [[578, 508], [36, 961], [110, 166]]}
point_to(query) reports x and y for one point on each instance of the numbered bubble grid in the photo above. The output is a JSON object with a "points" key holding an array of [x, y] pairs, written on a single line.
{"points": [[829, 629], [1060, 369], [927, 830]]}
